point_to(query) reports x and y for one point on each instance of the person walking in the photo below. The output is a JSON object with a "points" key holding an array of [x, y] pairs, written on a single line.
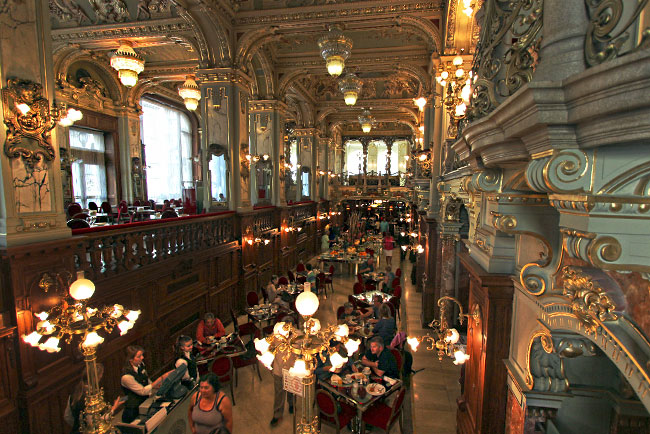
{"points": [[389, 246]]}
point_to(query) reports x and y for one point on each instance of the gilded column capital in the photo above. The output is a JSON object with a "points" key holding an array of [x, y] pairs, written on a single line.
{"points": [[233, 76], [267, 105]]}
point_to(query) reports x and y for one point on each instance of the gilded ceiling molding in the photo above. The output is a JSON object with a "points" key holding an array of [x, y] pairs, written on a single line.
{"points": [[65, 58], [269, 77], [287, 79], [68, 10], [424, 26], [255, 90], [322, 115], [213, 33], [316, 63], [251, 42], [418, 73], [336, 12], [450, 39], [136, 29]]}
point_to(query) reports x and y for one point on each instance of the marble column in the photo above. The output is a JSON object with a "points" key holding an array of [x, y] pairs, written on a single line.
{"points": [[31, 201], [323, 163], [267, 118], [448, 237], [225, 94], [128, 130]]}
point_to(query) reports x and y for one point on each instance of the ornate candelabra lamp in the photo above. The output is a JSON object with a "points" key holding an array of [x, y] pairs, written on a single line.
{"points": [[445, 341], [72, 317], [308, 344]]}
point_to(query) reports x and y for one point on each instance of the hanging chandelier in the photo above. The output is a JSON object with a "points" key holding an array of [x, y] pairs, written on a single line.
{"points": [[335, 48], [127, 63], [190, 93], [350, 87], [366, 120]]}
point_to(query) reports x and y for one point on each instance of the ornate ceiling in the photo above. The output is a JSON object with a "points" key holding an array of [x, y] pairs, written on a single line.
{"points": [[395, 46]]}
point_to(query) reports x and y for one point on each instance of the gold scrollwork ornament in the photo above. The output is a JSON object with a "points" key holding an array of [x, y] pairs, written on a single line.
{"points": [[29, 119]]}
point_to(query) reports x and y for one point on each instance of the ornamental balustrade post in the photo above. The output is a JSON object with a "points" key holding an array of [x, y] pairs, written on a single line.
{"points": [[31, 201]]}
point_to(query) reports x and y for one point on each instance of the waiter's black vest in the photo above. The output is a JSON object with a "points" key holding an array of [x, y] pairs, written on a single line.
{"points": [[192, 370], [133, 400]]}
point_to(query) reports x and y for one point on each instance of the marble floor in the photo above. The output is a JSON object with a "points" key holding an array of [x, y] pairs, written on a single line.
{"points": [[430, 406]]}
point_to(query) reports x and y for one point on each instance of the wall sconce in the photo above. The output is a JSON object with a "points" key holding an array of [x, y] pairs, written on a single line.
{"points": [[420, 102], [29, 119], [256, 158]]}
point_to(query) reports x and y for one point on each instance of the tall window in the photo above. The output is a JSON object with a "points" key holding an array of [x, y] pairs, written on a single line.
{"points": [[167, 137], [293, 160], [88, 166], [354, 157]]}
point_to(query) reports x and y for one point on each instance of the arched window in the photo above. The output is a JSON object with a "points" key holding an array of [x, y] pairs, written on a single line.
{"points": [[88, 166], [354, 157], [167, 138]]}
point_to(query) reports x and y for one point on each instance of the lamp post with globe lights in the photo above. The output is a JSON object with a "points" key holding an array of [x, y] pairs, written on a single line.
{"points": [[307, 344], [72, 317]]}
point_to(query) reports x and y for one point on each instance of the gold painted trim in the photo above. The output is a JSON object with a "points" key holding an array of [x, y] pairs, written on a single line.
{"points": [[547, 344]]}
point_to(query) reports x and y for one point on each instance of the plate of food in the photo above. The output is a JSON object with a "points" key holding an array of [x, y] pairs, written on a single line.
{"points": [[357, 376], [375, 389], [229, 349]]}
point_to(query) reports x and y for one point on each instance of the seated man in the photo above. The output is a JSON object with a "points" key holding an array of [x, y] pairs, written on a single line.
{"points": [[376, 304], [380, 359], [387, 284], [324, 371], [349, 314], [367, 266], [209, 327]]}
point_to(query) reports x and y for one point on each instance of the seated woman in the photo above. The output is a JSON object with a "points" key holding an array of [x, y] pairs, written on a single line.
{"points": [[209, 327], [136, 383], [184, 356], [272, 289], [385, 327]]}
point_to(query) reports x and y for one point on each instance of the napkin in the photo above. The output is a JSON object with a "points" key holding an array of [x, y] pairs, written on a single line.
{"points": [[389, 380]]}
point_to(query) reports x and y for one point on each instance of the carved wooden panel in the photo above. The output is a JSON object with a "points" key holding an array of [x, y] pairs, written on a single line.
{"points": [[8, 381], [482, 408]]}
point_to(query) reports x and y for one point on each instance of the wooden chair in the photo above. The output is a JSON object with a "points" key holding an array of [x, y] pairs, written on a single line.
{"points": [[330, 413], [239, 362], [391, 306], [222, 366], [384, 417], [320, 283], [398, 358], [329, 279], [301, 279]]}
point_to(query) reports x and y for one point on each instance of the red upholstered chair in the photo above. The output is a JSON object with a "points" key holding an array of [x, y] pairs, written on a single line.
{"points": [[106, 208], [248, 328], [300, 267], [371, 252], [384, 417], [74, 209], [92, 206], [398, 358], [370, 287], [340, 311], [78, 224], [283, 281], [222, 366], [252, 298], [123, 214], [357, 288], [391, 306], [136, 202], [332, 413], [398, 273], [359, 278], [81, 215], [291, 276], [395, 302], [320, 283], [168, 214]]}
